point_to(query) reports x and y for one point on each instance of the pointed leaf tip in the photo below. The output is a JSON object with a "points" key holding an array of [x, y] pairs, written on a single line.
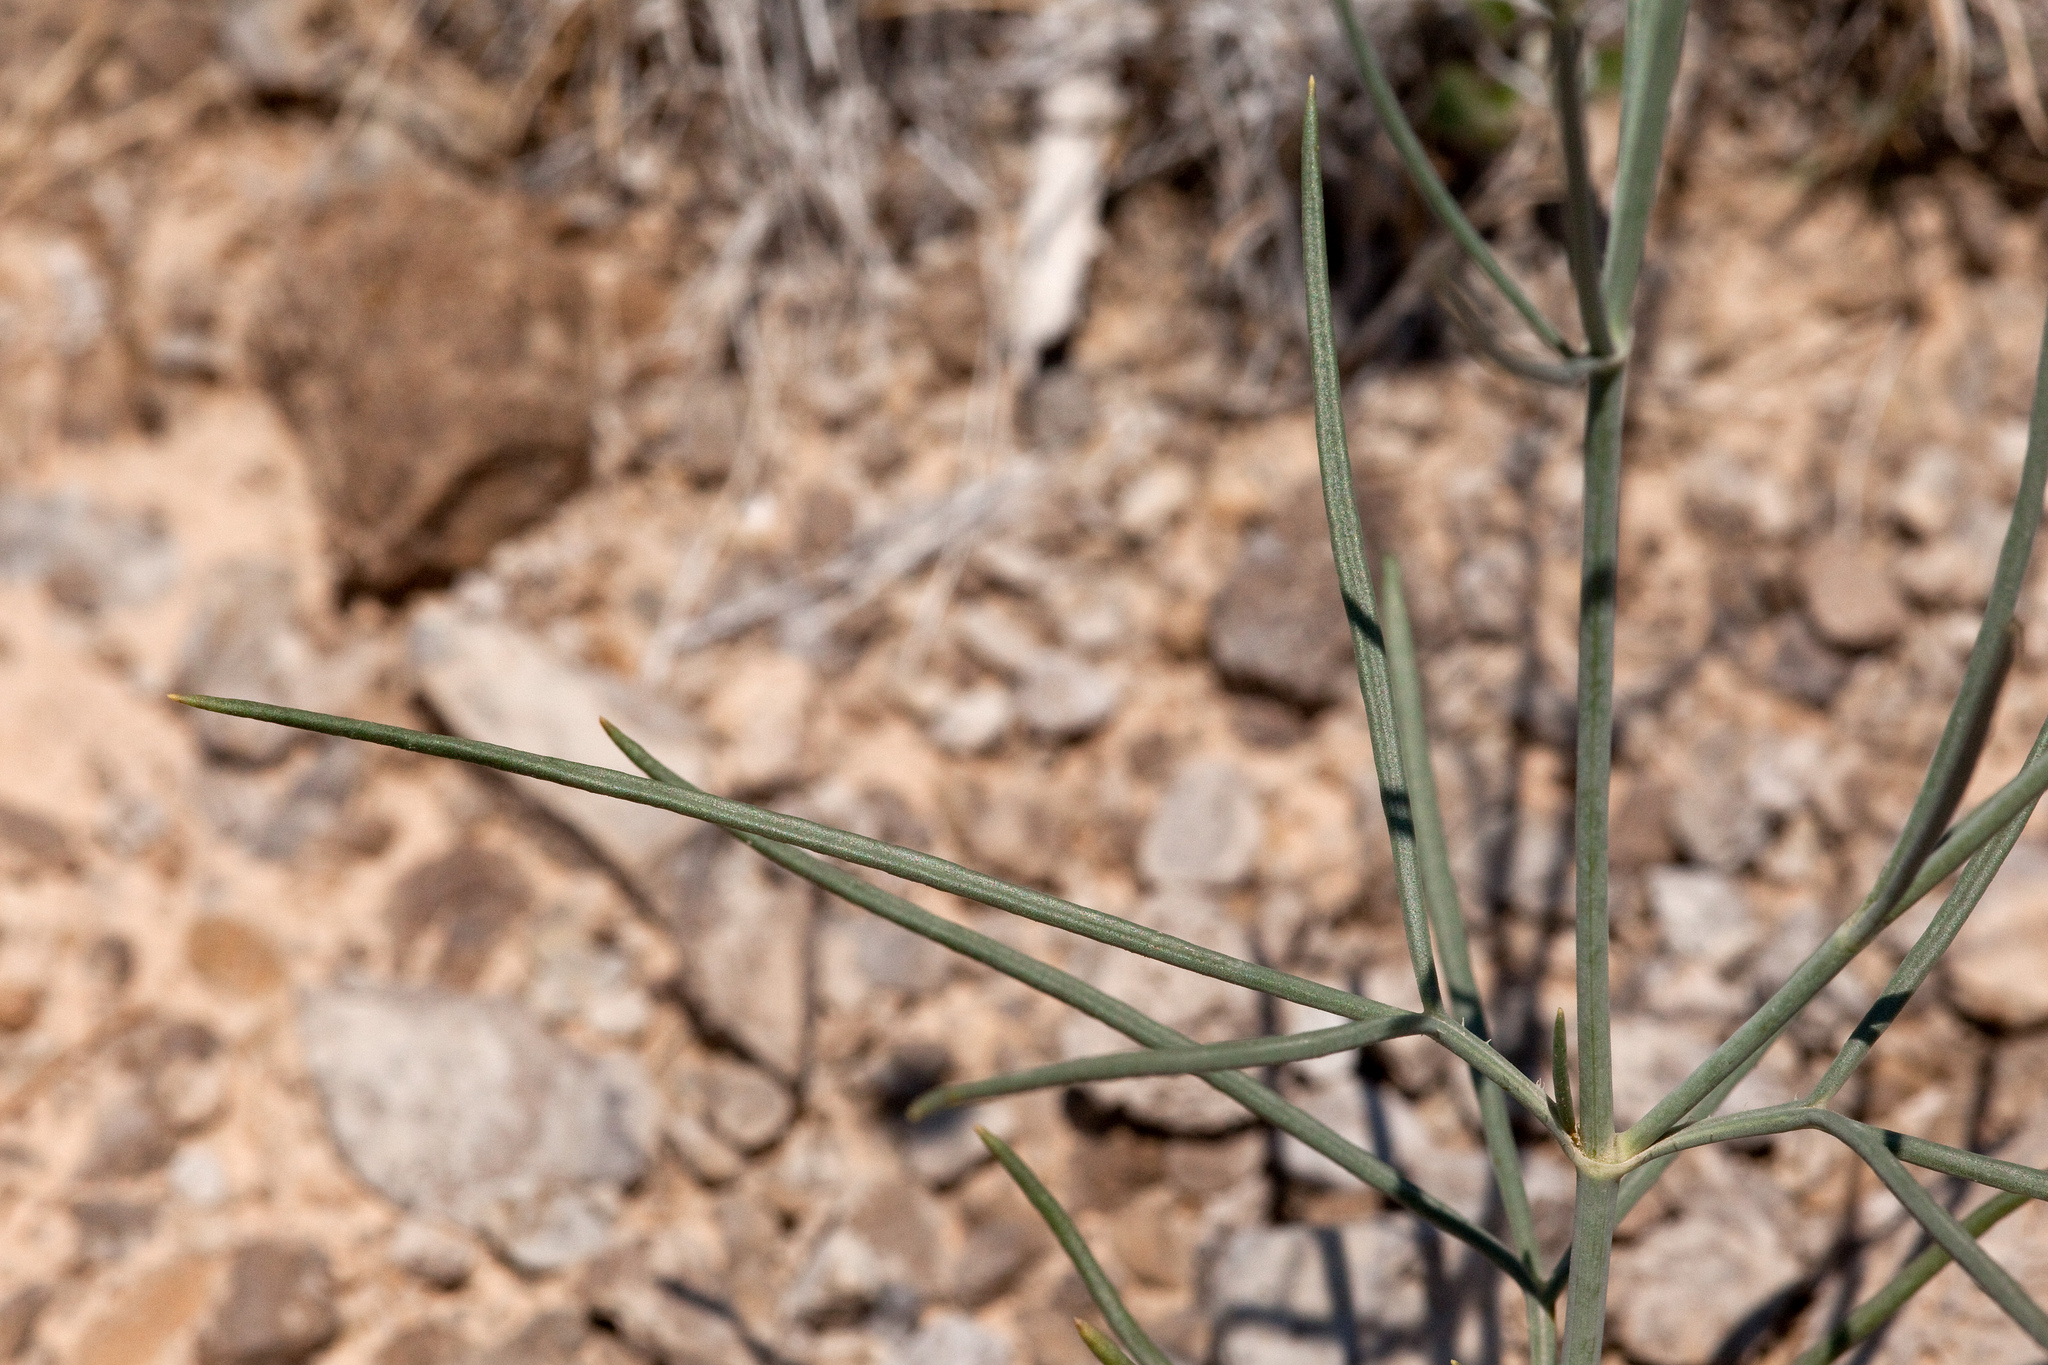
{"points": [[1103, 1347], [1561, 1078]]}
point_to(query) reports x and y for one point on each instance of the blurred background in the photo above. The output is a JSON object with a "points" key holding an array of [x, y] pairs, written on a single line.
{"points": [[895, 411]]}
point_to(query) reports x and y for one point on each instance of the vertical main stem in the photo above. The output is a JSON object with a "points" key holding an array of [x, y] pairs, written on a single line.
{"points": [[1585, 1310], [1594, 1216], [1596, 752]]}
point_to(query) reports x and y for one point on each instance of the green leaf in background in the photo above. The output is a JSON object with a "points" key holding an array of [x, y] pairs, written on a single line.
{"points": [[1470, 110]]}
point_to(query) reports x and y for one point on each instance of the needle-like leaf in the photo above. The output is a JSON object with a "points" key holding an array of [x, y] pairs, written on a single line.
{"points": [[1126, 1327], [1176, 1061], [1582, 202], [1950, 1235], [1948, 773], [1875, 1311], [1354, 580], [1100, 1345], [1835, 952], [1933, 1156], [1430, 185], [1139, 1027], [741, 817], [1920, 961], [1561, 1076], [1447, 921], [1653, 41]]}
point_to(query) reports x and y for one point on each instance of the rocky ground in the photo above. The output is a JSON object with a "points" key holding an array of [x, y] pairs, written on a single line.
{"points": [[313, 1052]]}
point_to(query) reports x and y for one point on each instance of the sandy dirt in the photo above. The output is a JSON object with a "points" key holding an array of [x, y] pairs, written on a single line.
{"points": [[327, 390]]}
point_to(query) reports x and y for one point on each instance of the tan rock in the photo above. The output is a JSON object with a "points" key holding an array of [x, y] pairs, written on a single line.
{"points": [[430, 345], [149, 1313], [1998, 969], [1849, 595], [278, 1308], [233, 957]]}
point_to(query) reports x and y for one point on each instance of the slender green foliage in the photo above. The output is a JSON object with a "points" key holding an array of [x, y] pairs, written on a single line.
{"points": [[1175, 1061], [1422, 172], [1990, 657], [1561, 1077], [1651, 48], [1919, 963], [1100, 1345], [1347, 543], [1614, 1169], [743, 818], [1582, 202], [1857, 1328], [1128, 1333], [1125, 1019], [1447, 922]]}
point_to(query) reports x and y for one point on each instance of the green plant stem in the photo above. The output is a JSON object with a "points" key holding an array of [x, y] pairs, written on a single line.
{"points": [[1596, 755], [1422, 172], [1582, 203], [1175, 1061], [1472, 325], [1927, 950], [1652, 45], [1594, 1215], [1139, 1027], [1639, 1181], [1878, 1309], [1354, 580], [1126, 1328]]}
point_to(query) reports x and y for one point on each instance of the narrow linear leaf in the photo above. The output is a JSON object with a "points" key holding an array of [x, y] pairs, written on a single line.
{"points": [[1422, 173], [1177, 1061], [1473, 326], [741, 817], [1100, 1345], [1561, 1075], [1989, 657], [1354, 581], [1653, 42], [1126, 1327], [1878, 1309], [1139, 1027], [2009, 1176], [1950, 1235], [1927, 950], [1447, 921], [1954, 762], [1582, 202], [1834, 953], [1974, 831]]}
